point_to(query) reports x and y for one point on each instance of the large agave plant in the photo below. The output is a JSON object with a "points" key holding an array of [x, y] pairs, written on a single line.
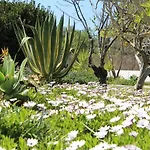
{"points": [[10, 80], [49, 50]]}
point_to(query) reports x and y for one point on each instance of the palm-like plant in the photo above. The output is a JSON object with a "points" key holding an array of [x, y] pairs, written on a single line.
{"points": [[49, 49], [82, 62]]}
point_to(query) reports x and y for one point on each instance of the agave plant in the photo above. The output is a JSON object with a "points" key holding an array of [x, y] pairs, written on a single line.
{"points": [[10, 80], [49, 49]]}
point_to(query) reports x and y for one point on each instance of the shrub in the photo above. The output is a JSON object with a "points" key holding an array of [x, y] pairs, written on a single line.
{"points": [[122, 81], [9, 12], [80, 71], [81, 77]]}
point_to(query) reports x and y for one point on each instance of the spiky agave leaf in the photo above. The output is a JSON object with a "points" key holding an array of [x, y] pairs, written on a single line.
{"points": [[47, 54]]}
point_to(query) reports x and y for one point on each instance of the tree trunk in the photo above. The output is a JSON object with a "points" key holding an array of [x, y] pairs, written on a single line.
{"points": [[144, 72], [100, 73], [144, 66], [114, 73], [139, 61]]}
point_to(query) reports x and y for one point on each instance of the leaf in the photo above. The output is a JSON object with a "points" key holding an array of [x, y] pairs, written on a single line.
{"points": [[20, 75], [137, 19], [7, 86], [2, 77], [22, 144], [148, 12], [8, 66], [146, 5]]}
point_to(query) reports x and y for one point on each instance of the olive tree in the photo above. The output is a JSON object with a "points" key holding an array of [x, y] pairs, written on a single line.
{"points": [[131, 20]]}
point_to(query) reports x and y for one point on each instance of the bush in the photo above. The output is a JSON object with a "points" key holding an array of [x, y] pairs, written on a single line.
{"points": [[10, 12], [80, 71], [80, 77], [122, 81], [133, 78]]}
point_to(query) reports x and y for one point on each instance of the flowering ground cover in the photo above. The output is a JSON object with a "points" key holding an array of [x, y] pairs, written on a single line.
{"points": [[77, 117]]}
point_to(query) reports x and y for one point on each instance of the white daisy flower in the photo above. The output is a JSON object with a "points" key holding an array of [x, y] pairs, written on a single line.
{"points": [[132, 147], [103, 146], [75, 145], [83, 104], [42, 106], [29, 104], [90, 116], [82, 93], [127, 123], [32, 142], [104, 128], [101, 134], [120, 148], [119, 132], [142, 123], [115, 119], [133, 133], [116, 128], [1, 148], [72, 135]]}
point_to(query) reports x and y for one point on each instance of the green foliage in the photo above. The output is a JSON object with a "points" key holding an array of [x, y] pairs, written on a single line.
{"points": [[82, 77], [138, 18], [70, 112], [83, 37], [108, 65], [82, 61], [146, 5], [9, 80], [8, 143], [133, 77], [10, 11], [80, 71], [47, 55], [122, 81]]}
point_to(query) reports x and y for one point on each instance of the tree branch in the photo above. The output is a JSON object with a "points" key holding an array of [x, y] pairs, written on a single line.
{"points": [[105, 50], [66, 13], [132, 44]]}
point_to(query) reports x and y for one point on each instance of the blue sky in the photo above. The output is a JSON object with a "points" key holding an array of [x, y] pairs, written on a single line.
{"points": [[87, 10]]}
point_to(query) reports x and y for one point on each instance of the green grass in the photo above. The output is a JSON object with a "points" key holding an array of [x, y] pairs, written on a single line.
{"points": [[67, 107], [86, 75]]}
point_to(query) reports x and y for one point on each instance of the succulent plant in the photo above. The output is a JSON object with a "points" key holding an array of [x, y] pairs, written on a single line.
{"points": [[10, 80], [50, 48]]}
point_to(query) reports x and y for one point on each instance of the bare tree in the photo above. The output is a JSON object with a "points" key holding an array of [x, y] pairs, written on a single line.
{"points": [[104, 43]]}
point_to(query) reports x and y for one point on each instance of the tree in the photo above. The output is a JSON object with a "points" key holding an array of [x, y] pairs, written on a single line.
{"points": [[131, 20], [102, 25], [115, 55]]}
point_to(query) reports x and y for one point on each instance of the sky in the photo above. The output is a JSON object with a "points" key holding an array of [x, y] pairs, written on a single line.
{"points": [[56, 5]]}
